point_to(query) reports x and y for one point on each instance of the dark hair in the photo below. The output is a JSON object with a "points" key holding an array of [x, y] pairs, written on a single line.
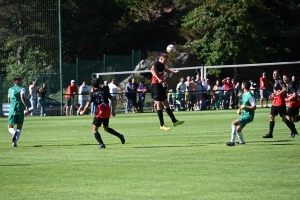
{"points": [[163, 55], [247, 84], [96, 82], [16, 78], [129, 80]]}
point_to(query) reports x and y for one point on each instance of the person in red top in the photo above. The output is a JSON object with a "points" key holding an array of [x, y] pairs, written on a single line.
{"points": [[278, 105], [263, 89], [227, 90], [292, 101], [158, 92], [100, 97], [71, 91]]}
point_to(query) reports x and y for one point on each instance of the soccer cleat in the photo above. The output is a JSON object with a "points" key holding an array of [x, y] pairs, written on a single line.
{"points": [[230, 144], [293, 135], [14, 144], [240, 143], [102, 146], [268, 136], [14, 137], [178, 123], [165, 128], [122, 138]]}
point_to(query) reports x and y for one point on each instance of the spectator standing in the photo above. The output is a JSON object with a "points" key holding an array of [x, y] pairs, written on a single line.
{"points": [[42, 92], [70, 97], [33, 96], [18, 107], [193, 87], [83, 96], [217, 95], [93, 108], [134, 89], [232, 94], [128, 93], [113, 91], [263, 89], [142, 89], [227, 90], [187, 93]]}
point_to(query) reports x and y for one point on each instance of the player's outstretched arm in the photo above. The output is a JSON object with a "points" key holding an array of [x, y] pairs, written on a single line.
{"points": [[85, 108]]}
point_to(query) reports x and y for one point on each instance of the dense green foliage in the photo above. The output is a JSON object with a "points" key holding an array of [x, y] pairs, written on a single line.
{"points": [[217, 32], [57, 158]]}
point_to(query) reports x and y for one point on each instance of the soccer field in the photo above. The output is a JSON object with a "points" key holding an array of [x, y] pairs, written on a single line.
{"points": [[57, 158]]}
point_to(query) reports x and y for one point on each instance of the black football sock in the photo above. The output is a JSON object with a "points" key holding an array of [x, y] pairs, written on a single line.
{"points": [[160, 117], [113, 132], [298, 118], [271, 127], [98, 137], [171, 115], [291, 126]]}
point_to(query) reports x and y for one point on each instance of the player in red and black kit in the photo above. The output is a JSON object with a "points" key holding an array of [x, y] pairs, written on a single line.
{"points": [[278, 105], [292, 101], [158, 92], [100, 99]]}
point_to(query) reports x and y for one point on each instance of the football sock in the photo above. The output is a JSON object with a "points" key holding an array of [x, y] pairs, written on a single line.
{"points": [[271, 127], [18, 134], [171, 115], [291, 126], [233, 132], [241, 137], [160, 117], [98, 137], [11, 130], [113, 132], [298, 118]]}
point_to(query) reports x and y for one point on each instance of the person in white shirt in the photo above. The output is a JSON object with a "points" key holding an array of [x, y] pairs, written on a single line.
{"points": [[32, 96], [113, 91], [83, 96]]}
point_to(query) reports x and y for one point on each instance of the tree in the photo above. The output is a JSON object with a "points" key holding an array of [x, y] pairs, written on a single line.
{"points": [[243, 31]]}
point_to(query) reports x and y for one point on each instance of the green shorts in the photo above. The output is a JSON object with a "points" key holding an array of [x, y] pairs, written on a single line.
{"points": [[245, 119], [15, 118]]}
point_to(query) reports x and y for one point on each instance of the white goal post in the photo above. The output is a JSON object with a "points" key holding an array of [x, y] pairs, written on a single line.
{"points": [[202, 68]]}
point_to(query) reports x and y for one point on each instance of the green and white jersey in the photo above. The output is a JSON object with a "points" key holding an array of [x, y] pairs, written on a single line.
{"points": [[248, 100], [14, 94]]}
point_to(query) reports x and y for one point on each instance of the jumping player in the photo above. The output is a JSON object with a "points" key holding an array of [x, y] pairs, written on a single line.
{"points": [[100, 99], [292, 101], [248, 107], [18, 107], [158, 93], [278, 105]]}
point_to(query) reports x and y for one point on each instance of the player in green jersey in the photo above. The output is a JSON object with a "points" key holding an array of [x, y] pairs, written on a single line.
{"points": [[18, 107], [247, 110]]}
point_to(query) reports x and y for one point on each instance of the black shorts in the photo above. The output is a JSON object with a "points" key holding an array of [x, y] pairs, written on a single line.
{"points": [[158, 92], [98, 121], [275, 110], [293, 111]]}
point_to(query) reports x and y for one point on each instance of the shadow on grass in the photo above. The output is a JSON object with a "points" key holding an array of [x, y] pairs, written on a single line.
{"points": [[273, 142], [14, 165], [168, 146], [62, 145]]}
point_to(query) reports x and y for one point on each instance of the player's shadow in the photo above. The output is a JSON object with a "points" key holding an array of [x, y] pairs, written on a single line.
{"points": [[62, 145], [273, 142], [14, 165], [168, 146]]}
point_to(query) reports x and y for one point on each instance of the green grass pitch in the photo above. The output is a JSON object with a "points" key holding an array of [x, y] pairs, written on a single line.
{"points": [[57, 158]]}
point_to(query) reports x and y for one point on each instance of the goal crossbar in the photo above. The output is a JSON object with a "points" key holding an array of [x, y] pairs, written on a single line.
{"points": [[202, 68]]}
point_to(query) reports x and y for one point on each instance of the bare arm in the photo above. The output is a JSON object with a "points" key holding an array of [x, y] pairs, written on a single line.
{"points": [[153, 72], [24, 102], [87, 105]]}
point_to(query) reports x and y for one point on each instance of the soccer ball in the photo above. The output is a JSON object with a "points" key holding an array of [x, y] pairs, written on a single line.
{"points": [[171, 48]]}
